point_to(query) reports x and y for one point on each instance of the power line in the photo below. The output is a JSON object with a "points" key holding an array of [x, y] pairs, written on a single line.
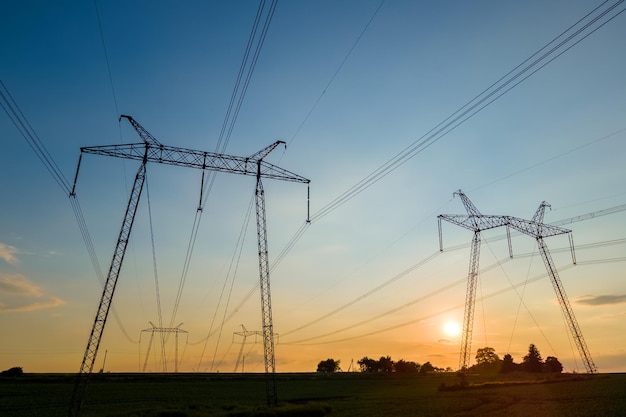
{"points": [[229, 120], [452, 285], [456, 307], [20, 121], [366, 294], [545, 161], [22, 124], [358, 39], [476, 104], [574, 219], [567, 39]]}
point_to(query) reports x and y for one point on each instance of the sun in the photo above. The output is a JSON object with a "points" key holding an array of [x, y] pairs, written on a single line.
{"points": [[452, 328]]}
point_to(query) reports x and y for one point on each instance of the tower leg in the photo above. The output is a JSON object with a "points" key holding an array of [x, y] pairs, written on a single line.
{"points": [[95, 337], [470, 301], [266, 302], [566, 308]]}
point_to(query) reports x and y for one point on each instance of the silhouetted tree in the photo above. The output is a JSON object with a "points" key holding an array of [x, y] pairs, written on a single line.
{"points": [[368, 365], [328, 366], [552, 364], [487, 361], [507, 364], [385, 364], [406, 367], [15, 371], [486, 356], [427, 367], [532, 361]]}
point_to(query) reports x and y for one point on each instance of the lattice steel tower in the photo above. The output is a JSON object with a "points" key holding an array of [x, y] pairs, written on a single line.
{"points": [[536, 228], [151, 150]]}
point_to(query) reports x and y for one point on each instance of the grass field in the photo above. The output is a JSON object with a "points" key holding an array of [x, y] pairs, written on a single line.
{"points": [[339, 395]]}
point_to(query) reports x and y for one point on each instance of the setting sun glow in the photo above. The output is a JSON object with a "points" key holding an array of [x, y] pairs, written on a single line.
{"points": [[452, 329]]}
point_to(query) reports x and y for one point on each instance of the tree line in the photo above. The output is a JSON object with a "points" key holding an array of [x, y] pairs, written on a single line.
{"points": [[383, 365], [487, 361]]}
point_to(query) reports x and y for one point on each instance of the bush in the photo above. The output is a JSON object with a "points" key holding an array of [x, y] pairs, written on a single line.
{"points": [[15, 371]]}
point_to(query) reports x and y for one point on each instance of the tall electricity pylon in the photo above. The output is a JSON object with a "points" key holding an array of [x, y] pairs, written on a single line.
{"points": [[151, 150], [476, 222], [154, 329], [538, 229]]}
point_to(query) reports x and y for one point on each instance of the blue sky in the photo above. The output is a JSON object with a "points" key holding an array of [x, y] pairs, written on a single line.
{"points": [[558, 136]]}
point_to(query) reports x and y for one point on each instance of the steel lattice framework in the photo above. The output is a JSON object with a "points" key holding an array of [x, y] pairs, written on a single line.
{"points": [[95, 336], [244, 334], [154, 329], [536, 228], [151, 150]]}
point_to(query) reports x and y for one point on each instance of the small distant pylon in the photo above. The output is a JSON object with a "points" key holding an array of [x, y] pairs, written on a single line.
{"points": [[154, 329], [244, 334]]}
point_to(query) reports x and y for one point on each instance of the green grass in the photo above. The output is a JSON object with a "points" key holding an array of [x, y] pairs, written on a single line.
{"points": [[312, 395]]}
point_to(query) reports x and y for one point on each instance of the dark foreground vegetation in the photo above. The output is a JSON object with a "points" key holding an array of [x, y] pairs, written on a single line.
{"points": [[339, 395]]}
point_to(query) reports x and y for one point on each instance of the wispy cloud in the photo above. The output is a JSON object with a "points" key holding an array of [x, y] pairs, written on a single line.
{"points": [[18, 285], [600, 300], [26, 305], [8, 252], [18, 294]]}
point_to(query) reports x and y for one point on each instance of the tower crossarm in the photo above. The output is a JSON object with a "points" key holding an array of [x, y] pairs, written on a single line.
{"points": [[191, 158], [475, 222], [536, 229], [165, 330]]}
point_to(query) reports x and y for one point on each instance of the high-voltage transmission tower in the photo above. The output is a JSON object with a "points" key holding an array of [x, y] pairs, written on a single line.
{"points": [[151, 150], [536, 228], [244, 335], [163, 330], [476, 222]]}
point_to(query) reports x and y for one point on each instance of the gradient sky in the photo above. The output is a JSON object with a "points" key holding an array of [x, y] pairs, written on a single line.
{"points": [[558, 136]]}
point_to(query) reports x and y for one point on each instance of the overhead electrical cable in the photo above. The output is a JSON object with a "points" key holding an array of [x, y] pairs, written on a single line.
{"points": [[456, 307], [519, 306], [232, 271], [106, 58], [156, 279], [545, 161], [20, 121], [567, 39], [345, 58], [582, 217], [464, 113], [366, 294], [447, 287], [227, 127], [513, 78], [17, 117], [230, 276], [520, 296]]}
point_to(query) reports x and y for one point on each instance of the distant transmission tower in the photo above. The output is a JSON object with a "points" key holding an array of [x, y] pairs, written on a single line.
{"points": [[244, 335], [151, 150], [536, 228], [163, 330]]}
